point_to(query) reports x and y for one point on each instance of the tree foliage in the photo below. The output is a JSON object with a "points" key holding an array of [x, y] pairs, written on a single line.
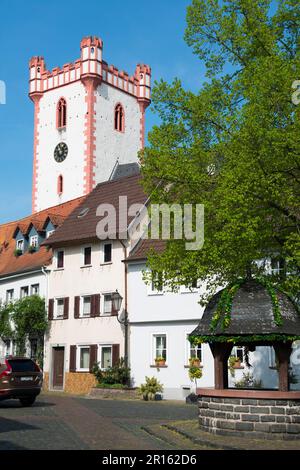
{"points": [[23, 319], [235, 145]]}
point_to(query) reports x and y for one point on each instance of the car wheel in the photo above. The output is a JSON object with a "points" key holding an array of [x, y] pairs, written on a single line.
{"points": [[27, 401]]}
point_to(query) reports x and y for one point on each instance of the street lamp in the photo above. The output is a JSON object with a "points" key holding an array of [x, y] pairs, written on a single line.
{"points": [[116, 299]]}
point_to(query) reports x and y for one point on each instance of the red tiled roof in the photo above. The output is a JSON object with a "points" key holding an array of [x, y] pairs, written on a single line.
{"points": [[82, 229], [142, 248], [9, 263]]}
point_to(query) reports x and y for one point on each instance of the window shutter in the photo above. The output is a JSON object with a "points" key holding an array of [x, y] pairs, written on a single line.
{"points": [[72, 365], [93, 355], [92, 305], [76, 306], [66, 308], [96, 305], [50, 309], [115, 354]]}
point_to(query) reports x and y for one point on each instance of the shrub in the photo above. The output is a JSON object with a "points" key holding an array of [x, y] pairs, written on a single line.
{"points": [[117, 374], [248, 381], [150, 388]]}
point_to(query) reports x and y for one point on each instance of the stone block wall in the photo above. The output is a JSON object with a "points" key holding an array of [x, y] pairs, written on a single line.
{"points": [[79, 382], [268, 418]]}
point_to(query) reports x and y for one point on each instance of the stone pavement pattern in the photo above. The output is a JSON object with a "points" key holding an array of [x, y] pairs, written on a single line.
{"points": [[65, 422]]}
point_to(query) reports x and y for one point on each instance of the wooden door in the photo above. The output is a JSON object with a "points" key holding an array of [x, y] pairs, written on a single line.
{"points": [[58, 367]]}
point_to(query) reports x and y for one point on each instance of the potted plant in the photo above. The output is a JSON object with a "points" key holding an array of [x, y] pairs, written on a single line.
{"points": [[160, 361], [194, 361], [31, 249], [150, 389], [234, 362], [194, 374], [18, 252]]}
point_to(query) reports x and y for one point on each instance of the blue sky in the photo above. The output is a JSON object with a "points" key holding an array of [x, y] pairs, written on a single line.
{"points": [[133, 31]]}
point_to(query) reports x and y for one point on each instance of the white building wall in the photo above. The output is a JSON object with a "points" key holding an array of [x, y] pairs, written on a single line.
{"points": [[174, 376], [111, 144], [72, 168], [76, 280], [173, 314]]}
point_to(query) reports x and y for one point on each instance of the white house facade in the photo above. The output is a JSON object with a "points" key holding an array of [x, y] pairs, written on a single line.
{"points": [[86, 271]]}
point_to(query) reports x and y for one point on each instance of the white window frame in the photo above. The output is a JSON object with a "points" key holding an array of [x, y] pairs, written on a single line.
{"points": [[101, 346], [188, 349], [103, 252], [234, 353], [34, 241], [83, 255], [271, 357], [81, 314], [78, 352], [9, 295], [20, 244], [21, 290], [152, 291], [56, 316], [189, 290], [34, 286], [154, 349], [103, 313], [56, 258]]}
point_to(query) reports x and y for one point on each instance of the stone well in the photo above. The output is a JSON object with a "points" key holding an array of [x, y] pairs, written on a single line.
{"points": [[255, 414]]}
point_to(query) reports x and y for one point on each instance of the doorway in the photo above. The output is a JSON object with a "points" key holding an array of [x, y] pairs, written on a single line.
{"points": [[58, 360]]}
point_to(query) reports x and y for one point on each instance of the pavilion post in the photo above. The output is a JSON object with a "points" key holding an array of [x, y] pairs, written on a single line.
{"points": [[221, 352], [283, 352]]}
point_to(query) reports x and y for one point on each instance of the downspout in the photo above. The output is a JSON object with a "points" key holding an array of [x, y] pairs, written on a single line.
{"points": [[45, 272], [126, 323]]}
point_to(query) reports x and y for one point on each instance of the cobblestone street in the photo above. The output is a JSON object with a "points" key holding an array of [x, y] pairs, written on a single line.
{"points": [[65, 422]]}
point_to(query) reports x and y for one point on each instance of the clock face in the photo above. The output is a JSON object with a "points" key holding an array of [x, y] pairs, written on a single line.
{"points": [[61, 152]]}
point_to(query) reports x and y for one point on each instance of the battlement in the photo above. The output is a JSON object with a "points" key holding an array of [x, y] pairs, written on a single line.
{"points": [[92, 64]]}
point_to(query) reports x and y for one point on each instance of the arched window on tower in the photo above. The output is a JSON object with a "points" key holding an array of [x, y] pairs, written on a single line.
{"points": [[61, 114], [60, 185], [119, 118]]}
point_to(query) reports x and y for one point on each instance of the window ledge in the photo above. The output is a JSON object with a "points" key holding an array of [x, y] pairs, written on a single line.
{"points": [[106, 264], [200, 367], [158, 367], [86, 266], [58, 319], [59, 269], [155, 293]]}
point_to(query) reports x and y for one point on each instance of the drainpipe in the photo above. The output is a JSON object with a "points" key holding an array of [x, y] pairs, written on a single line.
{"points": [[125, 322], [45, 272]]}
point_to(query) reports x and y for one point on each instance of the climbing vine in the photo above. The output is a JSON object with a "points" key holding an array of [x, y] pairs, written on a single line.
{"points": [[225, 306], [23, 319], [242, 339]]}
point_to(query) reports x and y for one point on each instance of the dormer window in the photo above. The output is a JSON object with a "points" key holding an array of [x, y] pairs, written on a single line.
{"points": [[34, 241], [119, 118], [20, 245], [61, 114]]}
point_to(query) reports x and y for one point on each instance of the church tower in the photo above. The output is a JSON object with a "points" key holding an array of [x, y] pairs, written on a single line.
{"points": [[87, 115]]}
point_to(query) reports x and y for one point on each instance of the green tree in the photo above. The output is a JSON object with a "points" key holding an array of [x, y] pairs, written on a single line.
{"points": [[24, 319], [235, 145]]}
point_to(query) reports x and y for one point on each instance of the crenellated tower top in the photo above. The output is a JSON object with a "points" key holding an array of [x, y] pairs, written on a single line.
{"points": [[91, 63]]}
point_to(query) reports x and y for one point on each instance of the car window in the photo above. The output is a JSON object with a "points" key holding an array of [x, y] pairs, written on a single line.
{"points": [[22, 365]]}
